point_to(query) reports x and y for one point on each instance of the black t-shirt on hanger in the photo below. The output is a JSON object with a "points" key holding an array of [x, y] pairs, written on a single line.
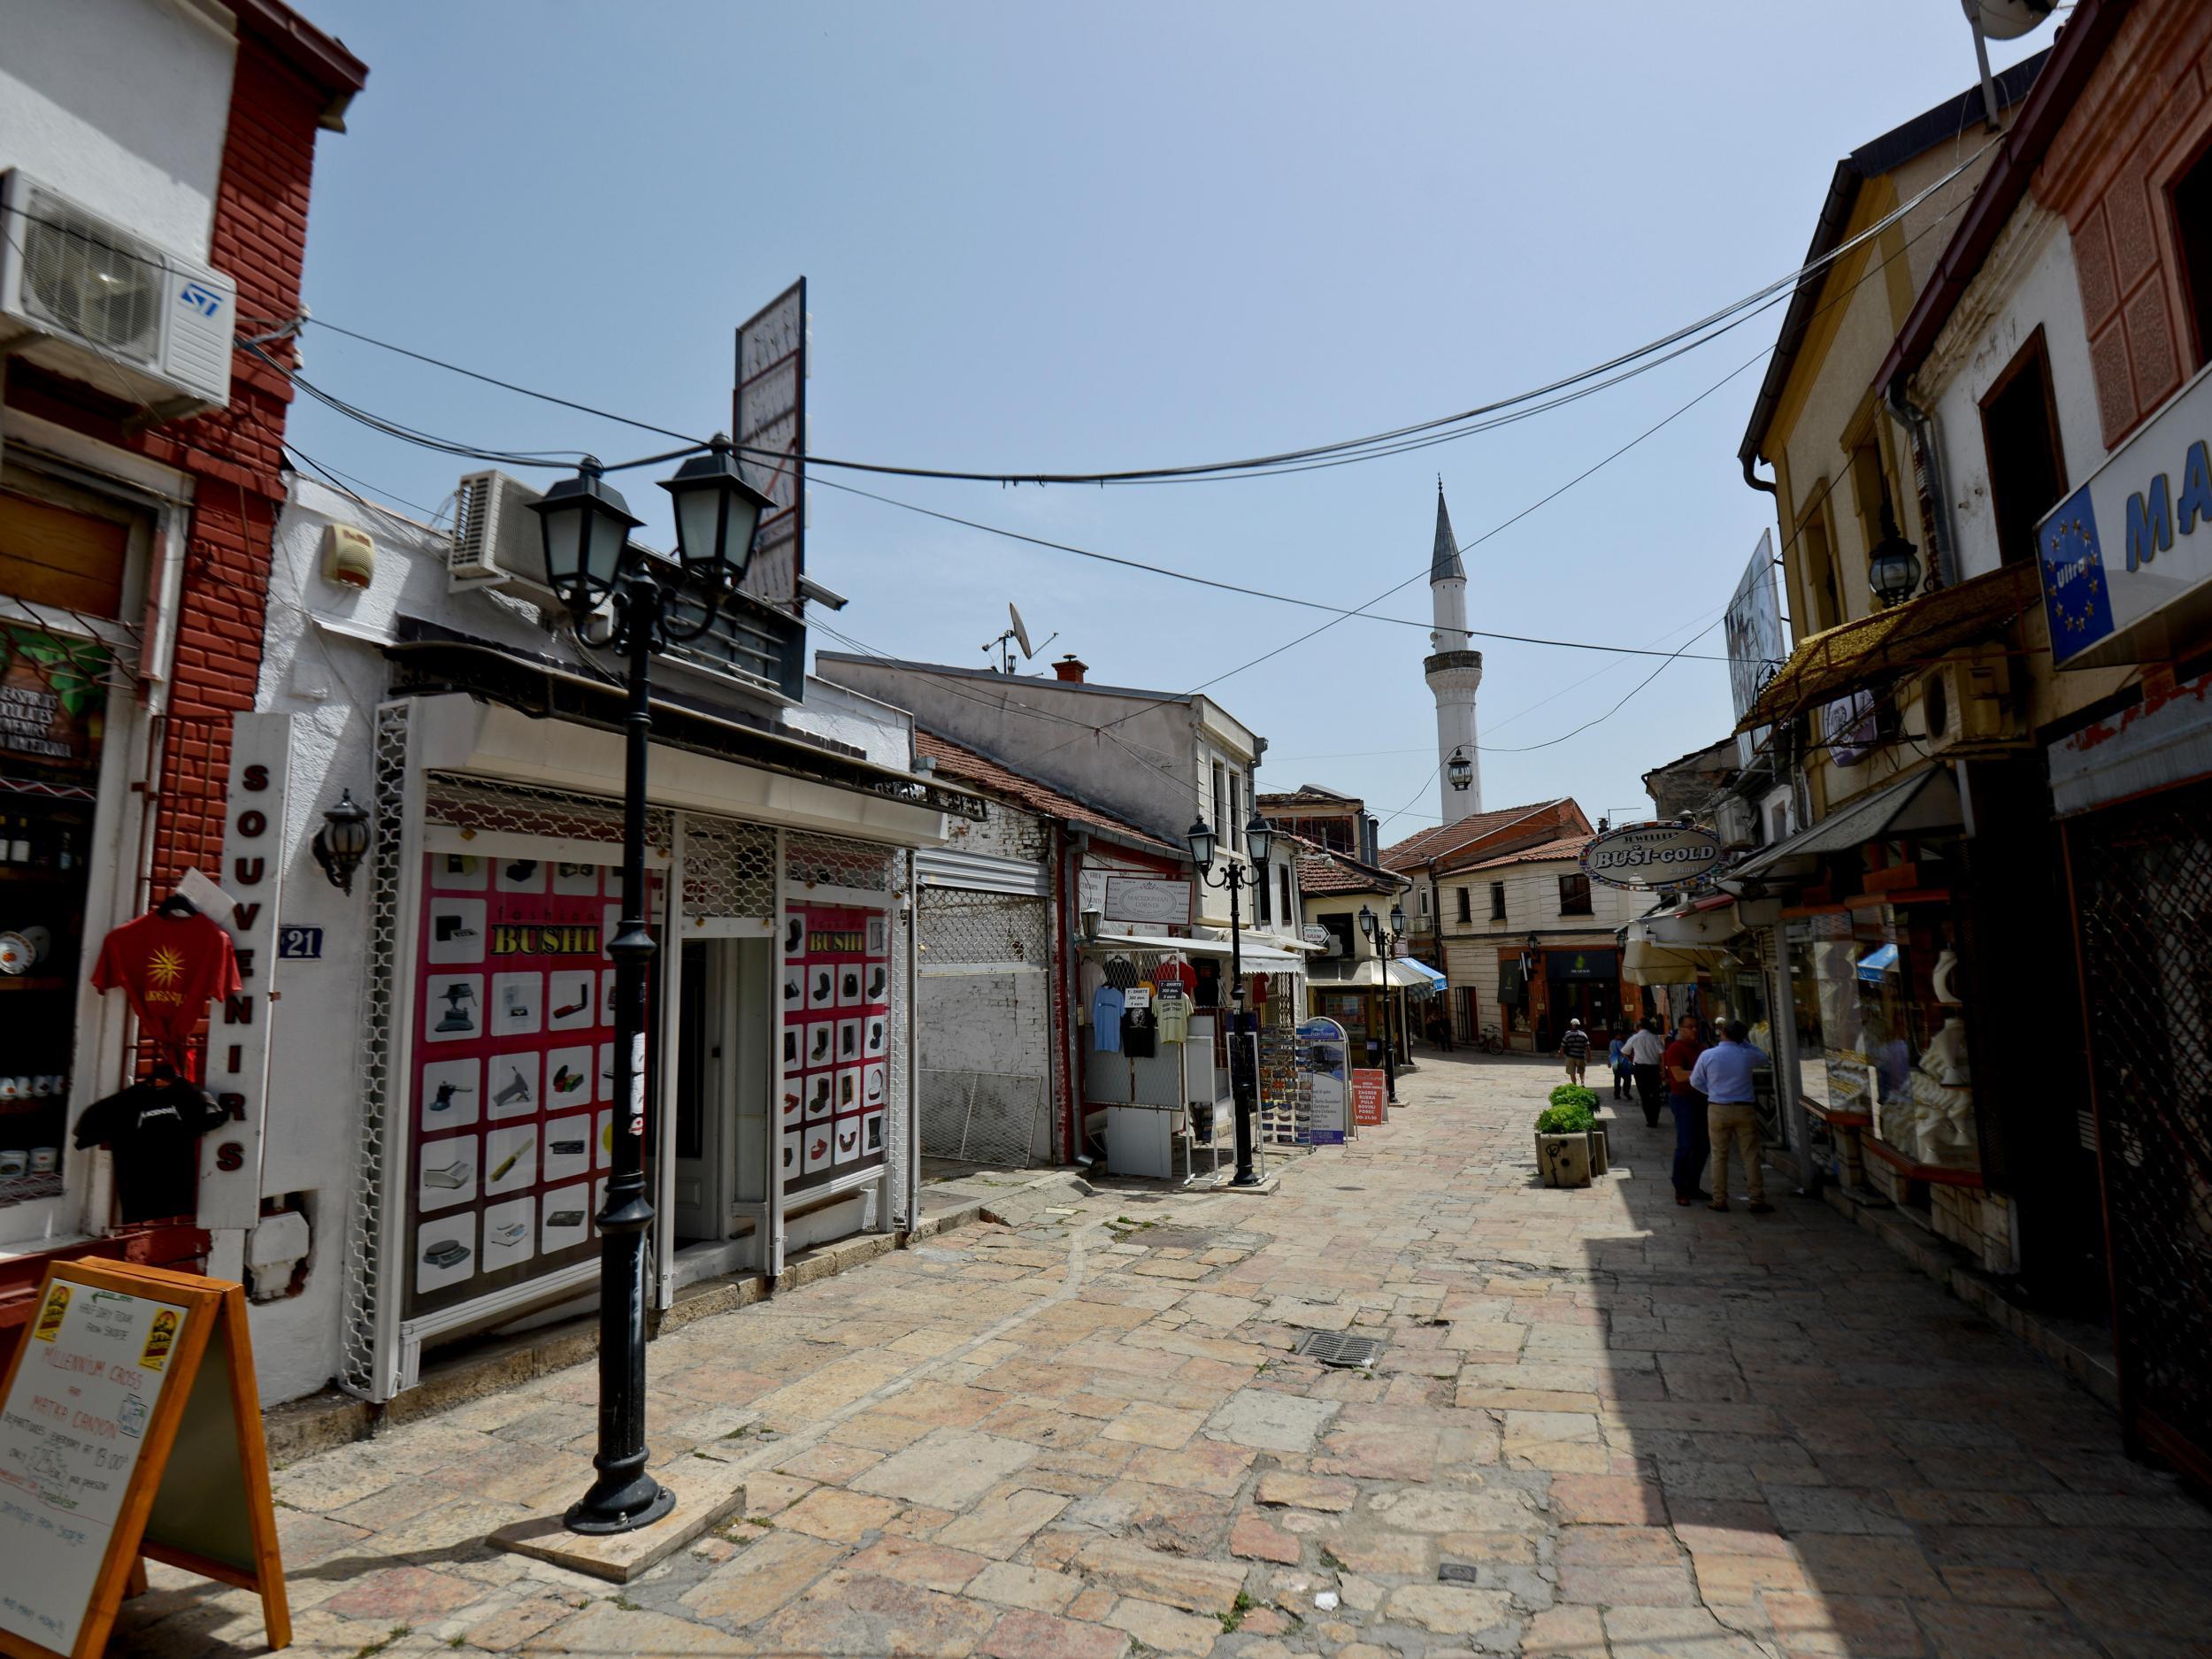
{"points": [[1139, 1035], [153, 1128]]}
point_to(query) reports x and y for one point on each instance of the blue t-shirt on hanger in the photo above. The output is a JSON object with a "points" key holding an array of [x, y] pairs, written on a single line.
{"points": [[1106, 1018]]}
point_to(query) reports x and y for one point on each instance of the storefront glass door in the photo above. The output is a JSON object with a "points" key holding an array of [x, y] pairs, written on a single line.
{"points": [[721, 1149]]}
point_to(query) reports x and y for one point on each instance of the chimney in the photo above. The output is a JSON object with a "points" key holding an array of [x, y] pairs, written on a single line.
{"points": [[1072, 669]]}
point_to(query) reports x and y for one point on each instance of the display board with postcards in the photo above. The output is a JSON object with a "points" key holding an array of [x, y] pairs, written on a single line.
{"points": [[511, 1073], [836, 999]]}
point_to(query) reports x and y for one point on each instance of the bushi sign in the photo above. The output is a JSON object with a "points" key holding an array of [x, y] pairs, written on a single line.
{"points": [[1657, 857]]}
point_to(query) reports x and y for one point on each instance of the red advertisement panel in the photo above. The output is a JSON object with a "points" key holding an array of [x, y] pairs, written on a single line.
{"points": [[837, 1041]]}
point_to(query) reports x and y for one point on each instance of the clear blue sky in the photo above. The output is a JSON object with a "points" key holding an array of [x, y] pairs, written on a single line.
{"points": [[1055, 238]]}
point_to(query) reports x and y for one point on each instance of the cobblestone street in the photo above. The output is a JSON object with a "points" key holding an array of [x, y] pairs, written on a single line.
{"points": [[1598, 1424]]}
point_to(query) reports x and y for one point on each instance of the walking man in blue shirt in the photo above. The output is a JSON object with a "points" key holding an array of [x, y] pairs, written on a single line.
{"points": [[1723, 1075]]}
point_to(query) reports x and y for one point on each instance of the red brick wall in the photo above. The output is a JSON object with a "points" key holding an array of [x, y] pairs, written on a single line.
{"points": [[2143, 115]]}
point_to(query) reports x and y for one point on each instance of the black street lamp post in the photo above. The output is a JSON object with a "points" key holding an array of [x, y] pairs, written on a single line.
{"points": [[590, 562], [1386, 940], [1259, 835]]}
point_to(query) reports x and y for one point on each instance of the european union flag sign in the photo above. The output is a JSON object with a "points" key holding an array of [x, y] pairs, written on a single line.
{"points": [[2076, 597]]}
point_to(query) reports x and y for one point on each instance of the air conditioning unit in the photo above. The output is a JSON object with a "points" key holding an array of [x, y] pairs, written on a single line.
{"points": [[1965, 706], [497, 542], [83, 296], [1737, 823]]}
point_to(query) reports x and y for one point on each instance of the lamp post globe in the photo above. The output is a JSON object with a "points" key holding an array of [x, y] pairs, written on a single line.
{"points": [[1259, 836], [1894, 572], [718, 514], [1202, 844], [1397, 918], [585, 525], [1367, 921], [1459, 771]]}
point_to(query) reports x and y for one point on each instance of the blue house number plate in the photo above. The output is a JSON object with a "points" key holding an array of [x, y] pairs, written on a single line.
{"points": [[300, 943]]}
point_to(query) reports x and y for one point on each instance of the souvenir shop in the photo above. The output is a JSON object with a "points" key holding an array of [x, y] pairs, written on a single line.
{"points": [[780, 1046], [1158, 1101]]}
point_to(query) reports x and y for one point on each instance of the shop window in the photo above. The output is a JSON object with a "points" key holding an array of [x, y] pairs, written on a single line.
{"points": [[2193, 234], [1262, 897], [1497, 900], [1574, 894], [1341, 945], [1466, 905], [2027, 473], [1282, 878], [1819, 566], [1221, 803], [1234, 829]]}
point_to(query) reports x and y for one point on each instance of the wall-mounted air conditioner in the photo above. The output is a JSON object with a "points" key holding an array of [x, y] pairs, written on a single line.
{"points": [[1737, 823], [497, 540], [84, 297], [1965, 706]]}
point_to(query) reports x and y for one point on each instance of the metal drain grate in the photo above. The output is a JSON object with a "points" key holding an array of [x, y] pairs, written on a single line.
{"points": [[1339, 1347]]}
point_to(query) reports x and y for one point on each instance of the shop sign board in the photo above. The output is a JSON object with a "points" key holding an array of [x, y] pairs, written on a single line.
{"points": [[836, 999], [238, 1039], [511, 1094], [1322, 1081], [1755, 644], [2126, 559], [1315, 935], [771, 426], [1654, 857], [129, 1427], [1371, 1098], [1849, 725], [1148, 899]]}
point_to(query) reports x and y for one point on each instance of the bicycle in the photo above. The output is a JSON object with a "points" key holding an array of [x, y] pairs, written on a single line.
{"points": [[1492, 1040]]}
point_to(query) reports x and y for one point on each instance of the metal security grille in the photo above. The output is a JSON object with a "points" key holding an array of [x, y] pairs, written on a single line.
{"points": [[981, 1116], [987, 1040], [365, 1264], [2142, 876], [477, 803], [729, 869], [826, 861]]}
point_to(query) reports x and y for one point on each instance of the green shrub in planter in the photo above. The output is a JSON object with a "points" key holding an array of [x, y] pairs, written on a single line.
{"points": [[1574, 1094], [1569, 1117]]}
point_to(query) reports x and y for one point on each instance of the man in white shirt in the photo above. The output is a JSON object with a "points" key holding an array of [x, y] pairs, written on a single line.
{"points": [[1723, 1075], [1644, 1051]]}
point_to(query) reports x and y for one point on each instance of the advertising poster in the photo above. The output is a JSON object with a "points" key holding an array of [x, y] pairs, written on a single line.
{"points": [[1370, 1101], [511, 1080], [1322, 1080], [837, 1041]]}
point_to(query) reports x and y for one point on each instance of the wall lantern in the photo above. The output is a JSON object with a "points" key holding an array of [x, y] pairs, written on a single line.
{"points": [[1893, 571], [343, 841], [1459, 770], [1093, 924]]}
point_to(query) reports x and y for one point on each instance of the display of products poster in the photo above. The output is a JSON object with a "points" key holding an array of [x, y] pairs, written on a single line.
{"points": [[511, 1083], [1322, 1080], [837, 1041]]}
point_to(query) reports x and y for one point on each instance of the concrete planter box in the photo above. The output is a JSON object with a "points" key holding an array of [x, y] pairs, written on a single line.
{"points": [[1600, 1151], [1563, 1160]]}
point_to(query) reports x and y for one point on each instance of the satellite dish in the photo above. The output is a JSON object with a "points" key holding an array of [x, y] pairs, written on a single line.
{"points": [[1021, 633], [2007, 20]]}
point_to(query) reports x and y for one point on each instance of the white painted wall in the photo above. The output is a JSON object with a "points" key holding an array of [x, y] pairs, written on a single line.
{"points": [[2023, 288], [121, 105]]}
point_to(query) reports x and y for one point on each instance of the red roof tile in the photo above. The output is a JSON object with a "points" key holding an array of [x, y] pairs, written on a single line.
{"points": [[981, 771], [1321, 870], [1565, 847], [1446, 838]]}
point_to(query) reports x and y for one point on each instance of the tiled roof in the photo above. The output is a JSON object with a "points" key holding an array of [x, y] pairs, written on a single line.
{"points": [[981, 771], [1321, 871], [1565, 847], [1446, 838]]}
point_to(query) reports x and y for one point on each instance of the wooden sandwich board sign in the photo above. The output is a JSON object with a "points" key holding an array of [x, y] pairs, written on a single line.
{"points": [[129, 1432]]}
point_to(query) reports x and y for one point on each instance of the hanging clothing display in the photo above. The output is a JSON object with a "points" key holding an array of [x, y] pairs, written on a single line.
{"points": [[169, 964], [1139, 1035], [153, 1130], [1172, 1008], [1106, 1018], [1121, 973], [1088, 978], [1175, 970]]}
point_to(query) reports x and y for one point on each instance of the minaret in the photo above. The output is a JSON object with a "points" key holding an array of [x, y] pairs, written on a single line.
{"points": [[1452, 671]]}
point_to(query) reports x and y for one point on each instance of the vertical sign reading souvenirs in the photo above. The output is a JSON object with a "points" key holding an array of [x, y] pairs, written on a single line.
{"points": [[511, 1080], [837, 1041]]}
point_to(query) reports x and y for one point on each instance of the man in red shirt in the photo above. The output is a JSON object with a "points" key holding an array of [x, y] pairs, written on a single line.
{"points": [[1692, 1144]]}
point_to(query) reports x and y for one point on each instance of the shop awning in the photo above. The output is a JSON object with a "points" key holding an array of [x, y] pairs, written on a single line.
{"points": [[1255, 958], [1436, 979], [1365, 974], [1651, 962], [1928, 800], [1840, 660]]}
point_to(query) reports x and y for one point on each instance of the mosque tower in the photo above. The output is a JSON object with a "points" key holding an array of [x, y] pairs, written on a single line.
{"points": [[1452, 671]]}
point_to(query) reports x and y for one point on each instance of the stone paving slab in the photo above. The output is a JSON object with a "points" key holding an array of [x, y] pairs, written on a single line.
{"points": [[1599, 1426]]}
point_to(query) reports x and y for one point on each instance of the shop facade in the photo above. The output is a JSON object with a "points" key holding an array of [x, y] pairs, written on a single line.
{"points": [[135, 505]]}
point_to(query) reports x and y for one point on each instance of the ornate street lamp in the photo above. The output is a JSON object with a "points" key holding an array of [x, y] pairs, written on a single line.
{"points": [[343, 841], [590, 562], [1234, 877], [1893, 569], [1459, 771], [1386, 942]]}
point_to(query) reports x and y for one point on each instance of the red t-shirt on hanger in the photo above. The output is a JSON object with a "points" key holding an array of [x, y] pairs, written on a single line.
{"points": [[171, 968]]}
